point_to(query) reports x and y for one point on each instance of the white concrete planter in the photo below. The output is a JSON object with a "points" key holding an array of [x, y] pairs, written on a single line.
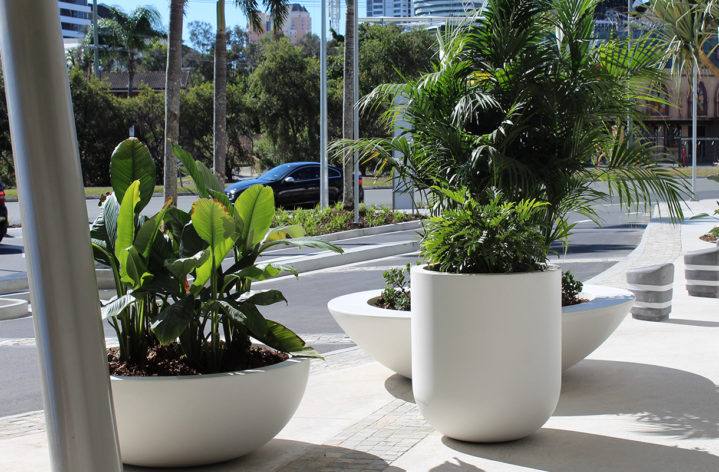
{"points": [[486, 352], [193, 420], [587, 325], [385, 334]]}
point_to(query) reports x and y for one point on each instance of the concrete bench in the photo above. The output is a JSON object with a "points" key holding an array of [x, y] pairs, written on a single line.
{"points": [[701, 269], [653, 288]]}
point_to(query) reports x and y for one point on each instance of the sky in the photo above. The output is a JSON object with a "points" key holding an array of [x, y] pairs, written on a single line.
{"points": [[205, 10]]}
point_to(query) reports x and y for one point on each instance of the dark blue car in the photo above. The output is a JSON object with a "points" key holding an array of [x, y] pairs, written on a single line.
{"points": [[295, 184], [3, 213]]}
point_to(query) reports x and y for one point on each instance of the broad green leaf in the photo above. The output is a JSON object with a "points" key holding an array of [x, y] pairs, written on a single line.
{"points": [[190, 242], [190, 166], [282, 232], [175, 221], [212, 221], [254, 321], [131, 161], [180, 268], [117, 305], [173, 320], [222, 198], [308, 241], [101, 254], [284, 339], [266, 297], [110, 213], [148, 231], [258, 273], [126, 222], [134, 271], [211, 182], [216, 227], [256, 208]]}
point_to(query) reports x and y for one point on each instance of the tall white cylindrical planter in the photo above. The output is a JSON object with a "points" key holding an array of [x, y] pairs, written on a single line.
{"points": [[486, 352]]}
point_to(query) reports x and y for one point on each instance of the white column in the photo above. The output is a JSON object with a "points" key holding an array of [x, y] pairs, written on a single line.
{"points": [[694, 132], [68, 330]]}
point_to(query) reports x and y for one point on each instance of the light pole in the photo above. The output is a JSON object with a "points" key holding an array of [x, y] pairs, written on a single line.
{"points": [[324, 191]]}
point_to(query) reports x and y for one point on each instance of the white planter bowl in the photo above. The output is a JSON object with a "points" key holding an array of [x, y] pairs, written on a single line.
{"points": [[385, 334], [193, 420], [486, 352], [587, 325]]}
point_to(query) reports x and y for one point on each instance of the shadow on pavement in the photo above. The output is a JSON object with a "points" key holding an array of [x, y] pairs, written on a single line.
{"points": [[570, 451], [281, 455], [665, 401]]}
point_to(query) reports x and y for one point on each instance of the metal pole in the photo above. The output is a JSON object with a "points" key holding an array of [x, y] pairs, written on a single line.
{"points": [[63, 288], [355, 119], [324, 190], [694, 131], [94, 34]]}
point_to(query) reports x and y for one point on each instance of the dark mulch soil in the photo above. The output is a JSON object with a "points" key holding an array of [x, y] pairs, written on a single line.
{"points": [[710, 238], [169, 360], [566, 301]]}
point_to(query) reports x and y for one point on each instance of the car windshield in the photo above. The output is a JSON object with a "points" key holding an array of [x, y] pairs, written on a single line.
{"points": [[275, 173]]}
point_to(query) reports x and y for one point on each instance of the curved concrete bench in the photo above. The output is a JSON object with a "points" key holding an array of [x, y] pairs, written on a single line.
{"points": [[653, 288], [701, 269]]}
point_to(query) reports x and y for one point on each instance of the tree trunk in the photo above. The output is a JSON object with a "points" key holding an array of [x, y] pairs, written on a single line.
{"points": [[220, 121], [348, 106], [172, 98], [130, 73]]}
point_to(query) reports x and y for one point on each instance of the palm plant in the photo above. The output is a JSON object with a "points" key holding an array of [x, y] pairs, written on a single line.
{"points": [[523, 100], [682, 27], [172, 97], [129, 34], [278, 13]]}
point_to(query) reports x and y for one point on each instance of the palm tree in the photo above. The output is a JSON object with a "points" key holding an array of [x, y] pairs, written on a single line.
{"points": [[348, 104], [683, 26], [172, 97], [129, 34], [278, 13], [521, 100]]}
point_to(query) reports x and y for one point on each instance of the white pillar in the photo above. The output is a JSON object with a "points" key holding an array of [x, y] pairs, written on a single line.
{"points": [[68, 330]]}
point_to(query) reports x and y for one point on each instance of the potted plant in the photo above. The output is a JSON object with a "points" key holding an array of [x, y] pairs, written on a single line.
{"points": [[378, 320], [486, 321], [192, 389]]}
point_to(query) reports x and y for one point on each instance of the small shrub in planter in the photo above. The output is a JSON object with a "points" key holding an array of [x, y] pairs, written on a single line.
{"points": [[571, 288], [396, 295]]}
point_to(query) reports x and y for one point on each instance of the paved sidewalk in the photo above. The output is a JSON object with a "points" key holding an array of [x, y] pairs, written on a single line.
{"points": [[646, 400]]}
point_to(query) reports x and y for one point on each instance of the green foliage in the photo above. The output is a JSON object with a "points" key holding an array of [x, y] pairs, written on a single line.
{"points": [[571, 288], [497, 237], [153, 258], [100, 123], [7, 166], [396, 294], [329, 220], [512, 105]]}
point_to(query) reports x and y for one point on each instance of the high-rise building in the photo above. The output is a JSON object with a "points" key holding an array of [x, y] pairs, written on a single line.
{"points": [[445, 7], [393, 8], [297, 24], [75, 18]]}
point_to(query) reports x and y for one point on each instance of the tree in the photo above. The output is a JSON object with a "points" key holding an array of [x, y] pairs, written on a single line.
{"points": [[172, 98], [348, 104], [513, 106], [284, 87], [682, 27], [128, 35], [278, 13]]}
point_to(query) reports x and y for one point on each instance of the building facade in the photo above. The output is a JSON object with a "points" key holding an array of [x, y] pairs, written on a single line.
{"points": [[390, 8], [445, 8], [75, 18], [297, 24]]}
